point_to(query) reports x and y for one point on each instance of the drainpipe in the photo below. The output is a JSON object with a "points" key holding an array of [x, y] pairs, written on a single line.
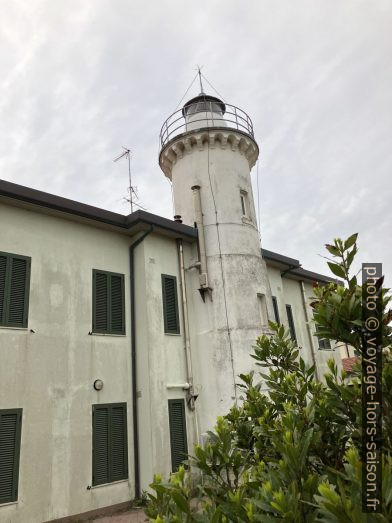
{"points": [[189, 372], [309, 329], [200, 230], [135, 414]]}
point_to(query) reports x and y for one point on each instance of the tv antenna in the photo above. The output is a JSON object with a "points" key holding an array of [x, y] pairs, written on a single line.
{"points": [[133, 195]]}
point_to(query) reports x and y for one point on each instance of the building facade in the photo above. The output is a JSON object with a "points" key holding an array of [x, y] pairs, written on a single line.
{"points": [[121, 337]]}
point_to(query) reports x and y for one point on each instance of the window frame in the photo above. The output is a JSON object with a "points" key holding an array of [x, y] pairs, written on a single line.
{"points": [[181, 402], [164, 306], [290, 320], [322, 342], [276, 309], [110, 407], [18, 438], [244, 203], [109, 330], [263, 309], [7, 290]]}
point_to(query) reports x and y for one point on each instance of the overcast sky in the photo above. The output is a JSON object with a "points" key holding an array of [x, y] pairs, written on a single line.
{"points": [[82, 78]]}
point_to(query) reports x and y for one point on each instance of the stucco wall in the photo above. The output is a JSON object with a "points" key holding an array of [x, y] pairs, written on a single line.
{"points": [[161, 356], [50, 372], [228, 321]]}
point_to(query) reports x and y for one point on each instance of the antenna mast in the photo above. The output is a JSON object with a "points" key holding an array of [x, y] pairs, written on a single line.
{"points": [[132, 190]]}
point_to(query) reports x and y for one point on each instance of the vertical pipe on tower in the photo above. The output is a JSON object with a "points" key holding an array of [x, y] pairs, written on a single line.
{"points": [[188, 354], [200, 229]]}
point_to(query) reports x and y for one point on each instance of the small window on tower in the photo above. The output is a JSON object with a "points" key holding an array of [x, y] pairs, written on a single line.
{"points": [[244, 203], [263, 309]]}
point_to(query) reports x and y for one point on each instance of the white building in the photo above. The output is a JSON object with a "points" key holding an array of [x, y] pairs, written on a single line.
{"points": [[121, 337]]}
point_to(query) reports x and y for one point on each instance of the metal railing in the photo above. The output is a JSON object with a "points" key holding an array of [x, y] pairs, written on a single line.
{"points": [[232, 118]]}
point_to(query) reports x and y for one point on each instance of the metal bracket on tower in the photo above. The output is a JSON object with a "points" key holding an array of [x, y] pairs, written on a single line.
{"points": [[204, 286], [205, 291]]}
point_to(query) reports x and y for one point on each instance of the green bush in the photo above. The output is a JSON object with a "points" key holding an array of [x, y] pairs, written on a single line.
{"points": [[291, 453]]}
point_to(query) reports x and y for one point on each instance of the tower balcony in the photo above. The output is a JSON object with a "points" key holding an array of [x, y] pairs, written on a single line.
{"points": [[206, 121], [202, 113]]}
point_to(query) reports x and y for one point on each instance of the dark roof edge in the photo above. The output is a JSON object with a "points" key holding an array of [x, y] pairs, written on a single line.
{"points": [[295, 268], [58, 203], [65, 205], [315, 276], [162, 223], [274, 256]]}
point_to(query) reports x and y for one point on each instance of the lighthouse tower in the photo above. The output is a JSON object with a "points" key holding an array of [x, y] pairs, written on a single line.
{"points": [[208, 150]]}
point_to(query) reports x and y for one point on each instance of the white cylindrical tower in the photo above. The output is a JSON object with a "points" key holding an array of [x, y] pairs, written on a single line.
{"points": [[208, 150]]}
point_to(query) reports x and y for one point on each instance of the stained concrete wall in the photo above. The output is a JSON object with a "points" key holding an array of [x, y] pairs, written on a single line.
{"points": [[161, 357], [50, 372], [229, 320]]}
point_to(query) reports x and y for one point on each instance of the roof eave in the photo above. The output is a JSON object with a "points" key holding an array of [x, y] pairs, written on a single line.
{"points": [[39, 200], [292, 268]]}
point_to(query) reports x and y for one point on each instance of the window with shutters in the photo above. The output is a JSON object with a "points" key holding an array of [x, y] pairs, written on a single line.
{"points": [[170, 304], [178, 439], [108, 302], [14, 289], [276, 310], [290, 320], [10, 431], [110, 443], [323, 343]]}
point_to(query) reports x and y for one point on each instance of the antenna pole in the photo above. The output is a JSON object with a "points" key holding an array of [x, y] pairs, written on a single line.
{"points": [[130, 179], [132, 190], [200, 80]]}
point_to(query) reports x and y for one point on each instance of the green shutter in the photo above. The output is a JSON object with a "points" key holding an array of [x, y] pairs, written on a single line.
{"points": [[100, 445], [100, 303], [3, 272], [276, 309], [117, 303], [10, 431], [110, 443], [118, 443], [178, 439], [16, 310], [108, 303], [14, 289], [290, 320], [170, 304]]}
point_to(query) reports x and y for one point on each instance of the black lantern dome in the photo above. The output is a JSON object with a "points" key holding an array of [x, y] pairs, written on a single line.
{"points": [[204, 103]]}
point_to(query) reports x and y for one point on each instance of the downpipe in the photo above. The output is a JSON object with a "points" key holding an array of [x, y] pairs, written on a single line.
{"points": [[190, 395], [307, 319], [135, 413]]}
